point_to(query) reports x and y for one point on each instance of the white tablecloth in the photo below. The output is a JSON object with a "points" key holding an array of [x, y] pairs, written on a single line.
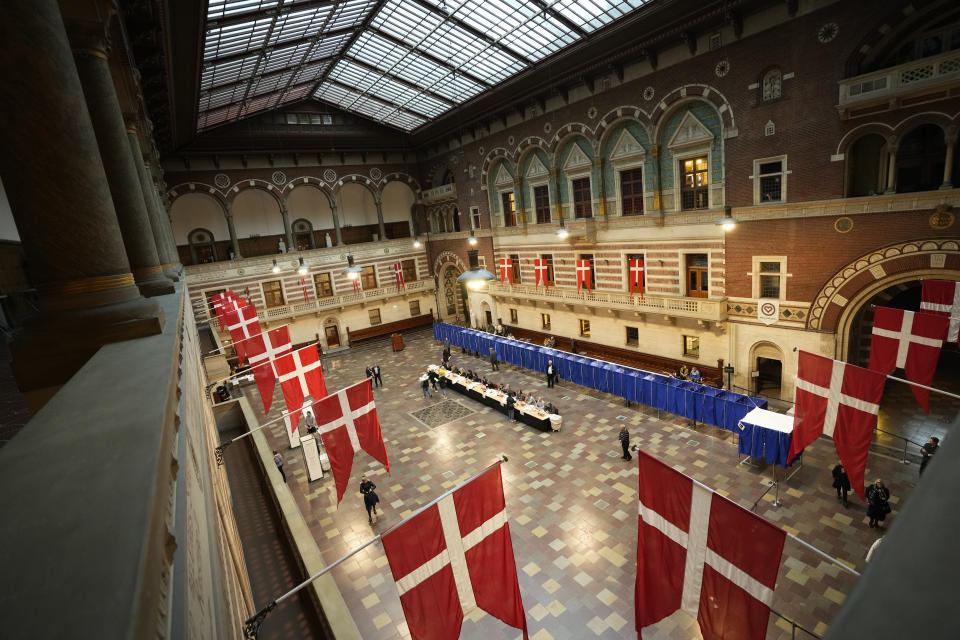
{"points": [[769, 420]]}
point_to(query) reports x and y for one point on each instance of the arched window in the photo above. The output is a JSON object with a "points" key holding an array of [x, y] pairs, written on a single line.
{"points": [[202, 248], [303, 235], [772, 84]]}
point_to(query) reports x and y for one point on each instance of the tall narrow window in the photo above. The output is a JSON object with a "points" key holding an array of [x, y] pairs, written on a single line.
{"points": [[548, 257], [409, 268], [273, 293], [585, 328], [582, 207], [771, 279], [694, 192], [631, 192], [414, 308], [368, 278], [513, 316], [541, 203], [772, 85], [515, 261], [323, 285], [509, 209], [769, 180], [374, 317], [545, 320]]}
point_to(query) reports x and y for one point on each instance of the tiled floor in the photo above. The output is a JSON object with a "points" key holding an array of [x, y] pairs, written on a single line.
{"points": [[571, 502]]}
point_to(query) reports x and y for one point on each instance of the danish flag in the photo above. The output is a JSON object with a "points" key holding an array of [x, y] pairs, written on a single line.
{"points": [[636, 275], [227, 305], [702, 553], [218, 300], [583, 274], [242, 323], [506, 270], [942, 297], [398, 270], [303, 284], [839, 400], [300, 376], [540, 269], [262, 352], [909, 341], [456, 556], [351, 425]]}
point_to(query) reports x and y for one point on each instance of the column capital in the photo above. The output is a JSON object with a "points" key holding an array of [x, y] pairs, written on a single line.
{"points": [[88, 27]]}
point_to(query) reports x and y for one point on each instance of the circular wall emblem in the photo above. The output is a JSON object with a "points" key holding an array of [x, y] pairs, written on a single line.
{"points": [[722, 68], [828, 32], [547, 127], [278, 177], [592, 113], [843, 225], [942, 218], [329, 175], [222, 180], [481, 151], [375, 173], [511, 141], [648, 94], [768, 309]]}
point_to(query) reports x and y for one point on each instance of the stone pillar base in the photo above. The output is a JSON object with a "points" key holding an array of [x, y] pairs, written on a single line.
{"points": [[153, 282], [49, 350]]}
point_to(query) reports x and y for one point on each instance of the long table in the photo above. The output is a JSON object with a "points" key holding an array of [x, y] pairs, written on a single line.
{"points": [[525, 413]]}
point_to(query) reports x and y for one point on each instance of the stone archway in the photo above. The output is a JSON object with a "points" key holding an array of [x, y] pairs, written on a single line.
{"points": [[451, 294], [767, 358]]}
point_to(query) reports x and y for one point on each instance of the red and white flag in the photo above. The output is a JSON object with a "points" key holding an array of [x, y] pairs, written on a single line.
{"points": [[398, 271], [839, 400], [636, 276], [540, 269], [217, 301], [583, 274], [226, 305], [909, 341], [242, 323], [942, 297], [506, 270], [350, 423], [262, 351], [702, 553], [456, 556], [300, 376], [303, 285]]}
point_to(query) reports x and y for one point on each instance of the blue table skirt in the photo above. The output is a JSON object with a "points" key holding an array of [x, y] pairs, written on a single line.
{"points": [[765, 444]]}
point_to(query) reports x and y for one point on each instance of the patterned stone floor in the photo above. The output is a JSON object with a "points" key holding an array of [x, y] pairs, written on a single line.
{"points": [[571, 501]]}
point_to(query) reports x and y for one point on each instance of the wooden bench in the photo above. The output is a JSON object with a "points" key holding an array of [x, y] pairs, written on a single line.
{"points": [[647, 361], [380, 330]]}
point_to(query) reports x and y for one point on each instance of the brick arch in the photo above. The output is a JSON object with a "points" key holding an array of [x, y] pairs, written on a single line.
{"points": [[495, 154], [841, 295], [560, 142], [448, 257], [359, 179], [693, 93], [399, 176], [868, 128], [311, 181], [527, 145], [615, 117], [202, 188], [936, 118], [256, 183]]}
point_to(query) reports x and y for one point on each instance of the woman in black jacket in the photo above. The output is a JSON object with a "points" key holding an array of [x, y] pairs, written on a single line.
{"points": [[370, 497], [841, 482], [878, 497]]}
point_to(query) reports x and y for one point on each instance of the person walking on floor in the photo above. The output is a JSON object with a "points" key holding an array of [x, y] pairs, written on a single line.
{"points": [[493, 360], [625, 442], [878, 507], [551, 374], [278, 460], [425, 386], [927, 451], [841, 482], [446, 356], [376, 375], [370, 497], [442, 381]]}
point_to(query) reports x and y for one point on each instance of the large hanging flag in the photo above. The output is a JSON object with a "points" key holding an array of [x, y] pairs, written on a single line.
{"points": [[242, 323], [839, 400], [702, 553], [227, 305], [909, 341], [942, 297], [262, 352], [636, 276], [303, 285], [300, 376], [540, 270], [583, 274], [350, 423], [217, 301], [506, 270], [455, 556], [398, 272]]}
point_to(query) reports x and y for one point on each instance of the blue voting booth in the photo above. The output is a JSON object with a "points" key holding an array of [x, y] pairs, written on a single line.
{"points": [[716, 407]]}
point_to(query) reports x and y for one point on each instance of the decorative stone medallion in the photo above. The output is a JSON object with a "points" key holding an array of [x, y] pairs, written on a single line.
{"points": [[828, 32], [843, 225], [375, 173], [648, 94], [547, 127], [278, 177], [330, 175], [722, 68], [942, 218], [592, 113], [222, 180], [511, 141]]}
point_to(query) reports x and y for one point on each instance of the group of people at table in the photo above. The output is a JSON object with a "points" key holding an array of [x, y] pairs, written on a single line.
{"points": [[437, 376]]}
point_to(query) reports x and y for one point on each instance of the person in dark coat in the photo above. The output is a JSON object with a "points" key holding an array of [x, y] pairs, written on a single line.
{"points": [[376, 375], [927, 451], [433, 375], [443, 385], [493, 360], [370, 497], [841, 482], [625, 442], [368, 372], [878, 507], [551, 374], [511, 412], [446, 356]]}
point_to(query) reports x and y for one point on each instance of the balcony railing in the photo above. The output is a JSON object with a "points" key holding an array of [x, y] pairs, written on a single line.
{"points": [[903, 80], [295, 309], [439, 194], [699, 308]]}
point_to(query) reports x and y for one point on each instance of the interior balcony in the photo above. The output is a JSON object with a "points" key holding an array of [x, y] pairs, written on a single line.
{"points": [[917, 82]]}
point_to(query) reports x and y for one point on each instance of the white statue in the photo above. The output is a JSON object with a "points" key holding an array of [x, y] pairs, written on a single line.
{"points": [[281, 246], [329, 241]]}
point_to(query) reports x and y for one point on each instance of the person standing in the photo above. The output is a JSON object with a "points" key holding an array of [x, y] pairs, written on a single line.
{"points": [[551, 374], [573, 347], [493, 359], [446, 356], [370, 497], [368, 372], [442, 380], [425, 386], [278, 460], [841, 482], [311, 421], [511, 402], [625, 442], [376, 375], [878, 507], [927, 451]]}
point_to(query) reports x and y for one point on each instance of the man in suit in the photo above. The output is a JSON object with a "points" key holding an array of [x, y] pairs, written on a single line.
{"points": [[625, 442], [493, 359], [377, 380], [551, 373]]}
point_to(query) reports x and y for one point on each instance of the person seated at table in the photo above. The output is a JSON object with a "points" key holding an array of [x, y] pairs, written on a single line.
{"points": [[484, 382], [460, 371], [683, 372], [541, 404], [499, 330], [552, 409], [510, 335], [695, 375], [553, 342]]}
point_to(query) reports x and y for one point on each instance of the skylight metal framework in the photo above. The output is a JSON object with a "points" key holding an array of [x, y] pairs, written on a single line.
{"points": [[399, 62]]}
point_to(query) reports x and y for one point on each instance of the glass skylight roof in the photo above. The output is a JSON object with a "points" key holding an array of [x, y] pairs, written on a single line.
{"points": [[399, 62]]}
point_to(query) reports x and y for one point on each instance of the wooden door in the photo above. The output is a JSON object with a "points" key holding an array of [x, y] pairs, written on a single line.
{"points": [[332, 335], [697, 282]]}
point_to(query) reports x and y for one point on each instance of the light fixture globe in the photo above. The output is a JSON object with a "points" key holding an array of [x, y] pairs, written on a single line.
{"points": [[476, 278], [352, 271], [276, 267], [472, 239], [416, 244], [728, 222], [302, 269]]}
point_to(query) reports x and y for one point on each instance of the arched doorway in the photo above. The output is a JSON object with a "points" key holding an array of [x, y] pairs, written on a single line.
{"points": [[202, 248], [920, 159], [766, 359], [867, 166], [453, 301], [331, 333], [303, 235]]}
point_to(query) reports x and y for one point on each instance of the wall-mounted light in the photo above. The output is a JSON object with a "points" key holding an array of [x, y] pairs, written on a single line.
{"points": [[302, 269], [416, 244], [472, 239], [728, 222], [276, 267], [562, 232], [352, 271], [476, 278]]}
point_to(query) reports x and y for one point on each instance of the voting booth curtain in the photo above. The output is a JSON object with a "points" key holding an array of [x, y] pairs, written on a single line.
{"points": [[724, 409]]}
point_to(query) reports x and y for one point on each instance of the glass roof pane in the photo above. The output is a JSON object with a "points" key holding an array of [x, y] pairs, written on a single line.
{"points": [[223, 8], [350, 13], [284, 57], [297, 92], [270, 83], [220, 73], [297, 25], [329, 46], [235, 38], [404, 120], [311, 72], [221, 97], [590, 15], [259, 104]]}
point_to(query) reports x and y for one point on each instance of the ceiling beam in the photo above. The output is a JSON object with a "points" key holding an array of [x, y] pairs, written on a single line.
{"points": [[399, 80], [562, 19], [377, 98], [289, 43], [432, 58], [247, 16]]}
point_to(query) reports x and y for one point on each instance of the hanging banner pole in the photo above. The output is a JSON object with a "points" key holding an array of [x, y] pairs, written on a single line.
{"points": [[251, 626], [247, 371], [923, 386]]}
